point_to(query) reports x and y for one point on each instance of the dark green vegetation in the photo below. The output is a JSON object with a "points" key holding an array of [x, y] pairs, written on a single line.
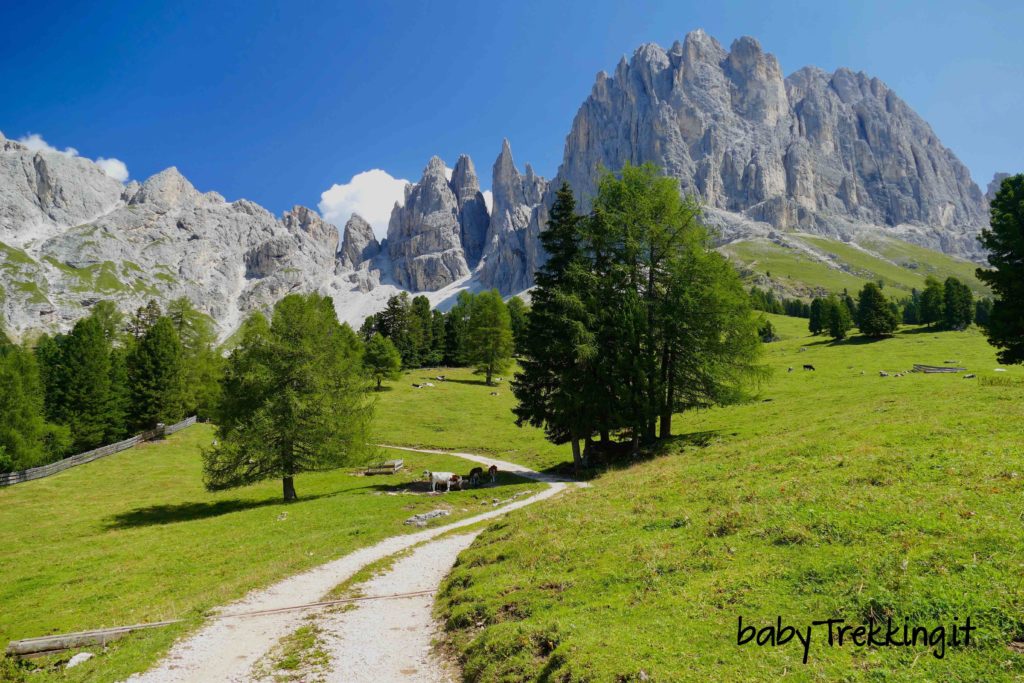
{"points": [[382, 359], [839, 494], [108, 377], [634, 318], [135, 537], [1005, 242], [295, 398], [479, 331]]}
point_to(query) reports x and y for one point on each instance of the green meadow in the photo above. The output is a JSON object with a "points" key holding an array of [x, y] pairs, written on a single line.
{"points": [[838, 493], [136, 538]]}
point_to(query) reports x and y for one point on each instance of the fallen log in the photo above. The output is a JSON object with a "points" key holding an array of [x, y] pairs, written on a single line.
{"points": [[44, 645]]}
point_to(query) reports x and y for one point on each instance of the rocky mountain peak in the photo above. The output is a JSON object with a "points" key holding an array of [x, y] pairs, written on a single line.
{"points": [[359, 245], [474, 218], [832, 154], [168, 187], [425, 236]]}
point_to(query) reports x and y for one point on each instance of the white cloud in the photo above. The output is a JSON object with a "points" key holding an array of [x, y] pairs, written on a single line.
{"points": [[115, 168], [372, 194], [489, 200]]}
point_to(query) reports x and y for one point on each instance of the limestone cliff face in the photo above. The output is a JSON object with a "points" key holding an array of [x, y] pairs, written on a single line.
{"points": [[424, 235], [359, 246], [474, 218], [512, 252], [834, 154]]}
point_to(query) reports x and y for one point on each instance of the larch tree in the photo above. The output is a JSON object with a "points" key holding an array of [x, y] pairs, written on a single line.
{"points": [[382, 359], [489, 335], [295, 398]]}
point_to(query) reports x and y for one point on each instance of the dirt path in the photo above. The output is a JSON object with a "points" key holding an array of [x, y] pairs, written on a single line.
{"points": [[226, 648]]}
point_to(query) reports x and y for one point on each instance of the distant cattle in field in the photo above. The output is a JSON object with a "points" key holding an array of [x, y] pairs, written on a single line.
{"points": [[808, 366], [493, 471], [790, 370], [447, 478], [475, 475], [883, 373]]}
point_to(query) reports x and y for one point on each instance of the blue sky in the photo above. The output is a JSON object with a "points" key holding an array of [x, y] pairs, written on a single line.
{"points": [[276, 102]]}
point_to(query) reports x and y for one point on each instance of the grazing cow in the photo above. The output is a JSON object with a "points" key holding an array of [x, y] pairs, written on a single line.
{"points": [[790, 369], [493, 471], [883, 373], [494, 393], [474, 476], [456, 481], [436, 478], [808, 367]]}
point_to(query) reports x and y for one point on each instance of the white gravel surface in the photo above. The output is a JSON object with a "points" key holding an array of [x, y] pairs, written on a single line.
{"points": [[226, 648]]}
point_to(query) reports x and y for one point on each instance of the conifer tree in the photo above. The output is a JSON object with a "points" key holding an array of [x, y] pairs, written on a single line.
{"points": [[26, 440], [202, 366], [489, 335], [156, 376], [559, 345], [517, 311], [816, 322], [382, 359], [875, 317], [295, 398], [958, 304], [836, 317], [931, 310], [1004, 240]]}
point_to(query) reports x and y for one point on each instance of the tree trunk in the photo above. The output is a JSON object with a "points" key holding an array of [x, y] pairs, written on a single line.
{"points": [[605, 438], [289, 489], [670, 398], [489, 373], [577, 459], [378, 383]]}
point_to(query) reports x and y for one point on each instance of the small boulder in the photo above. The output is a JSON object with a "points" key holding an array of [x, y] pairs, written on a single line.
{"points": [[79, 658]]}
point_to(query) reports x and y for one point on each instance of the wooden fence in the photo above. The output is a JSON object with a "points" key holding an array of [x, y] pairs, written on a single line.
{"points": [[95, 454]]}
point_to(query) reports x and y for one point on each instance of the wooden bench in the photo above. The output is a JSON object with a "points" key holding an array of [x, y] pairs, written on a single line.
{"points": [[386, 467]]}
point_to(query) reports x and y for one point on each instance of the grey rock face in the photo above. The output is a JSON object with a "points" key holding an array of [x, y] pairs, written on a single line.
{"points": [[473, 216], [160, 239], [832, 154], [40, 191], [424, 236], [994, 185], [359, 245], [513, 252]]}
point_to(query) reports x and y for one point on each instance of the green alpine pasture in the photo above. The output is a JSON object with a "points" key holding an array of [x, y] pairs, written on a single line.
{"points": [[839, 493], [135, 537], [827, 265]]}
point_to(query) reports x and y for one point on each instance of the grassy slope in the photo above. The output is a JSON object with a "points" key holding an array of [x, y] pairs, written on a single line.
{"points": [[461, 414], [135, 538], [842, 494], [901, 266]]}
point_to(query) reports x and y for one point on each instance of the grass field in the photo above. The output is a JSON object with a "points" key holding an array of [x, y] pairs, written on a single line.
{"points": [[839, 493], [135, 538], [461, 415], [899, 265]]}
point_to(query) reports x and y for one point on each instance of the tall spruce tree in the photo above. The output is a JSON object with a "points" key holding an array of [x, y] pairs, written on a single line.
{"points": [[958, 304], [89, 404], [156, 376], [836, 317], [26, 440], [1004, 240], [931, 310], [295, 398], [816, 323], [489, 335], [875, 317], [559, 346]]}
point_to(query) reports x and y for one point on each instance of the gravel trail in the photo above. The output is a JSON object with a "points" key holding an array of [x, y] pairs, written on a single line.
{"points": [[226, 647]]}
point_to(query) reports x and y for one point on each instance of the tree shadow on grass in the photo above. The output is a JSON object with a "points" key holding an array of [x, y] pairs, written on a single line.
{"points": [[855, 340], [476, 382], [920, 330], [620, 457], [421, 486], [189, 512]]}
